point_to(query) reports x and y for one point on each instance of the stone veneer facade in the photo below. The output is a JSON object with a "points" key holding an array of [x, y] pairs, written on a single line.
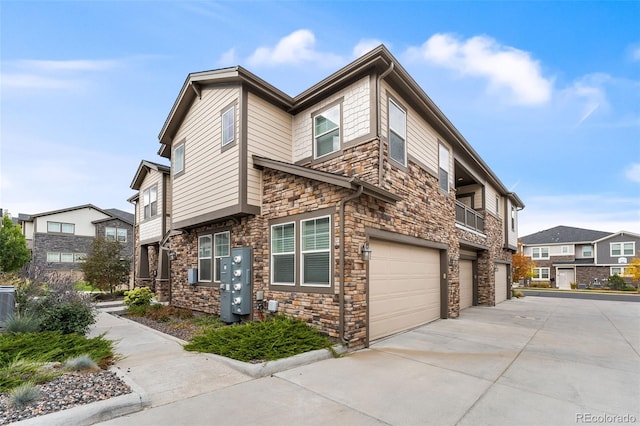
{"points": [[425, 213]]}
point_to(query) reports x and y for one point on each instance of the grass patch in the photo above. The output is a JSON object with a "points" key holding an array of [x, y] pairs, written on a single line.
{"points": [[276, 338], [20, 371], [84, 286]]}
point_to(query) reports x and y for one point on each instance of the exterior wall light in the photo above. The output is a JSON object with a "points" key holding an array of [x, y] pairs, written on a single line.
{"points": [[172, 255], [365, 251]]}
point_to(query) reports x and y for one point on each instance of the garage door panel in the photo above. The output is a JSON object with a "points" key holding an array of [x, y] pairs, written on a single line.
{"points": [[466, 283], [501, 283], [404, 287]]}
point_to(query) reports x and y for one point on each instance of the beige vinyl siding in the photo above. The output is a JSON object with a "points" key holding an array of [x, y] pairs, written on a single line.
{"points": [[512, 234], [422, 139], [81, 218], [150, 229], [356, 118], [490, 205], [211, 178], [268, 135], [476, 190]]}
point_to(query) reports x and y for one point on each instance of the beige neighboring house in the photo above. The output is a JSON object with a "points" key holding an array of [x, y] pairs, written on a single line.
{"points": [[152, 222], [356, 206], [59, 240]]}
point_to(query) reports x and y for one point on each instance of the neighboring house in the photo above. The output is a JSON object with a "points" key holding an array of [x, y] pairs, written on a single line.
{"points": [[59, 240], [361, 208], [565, 255], [152, 221]]}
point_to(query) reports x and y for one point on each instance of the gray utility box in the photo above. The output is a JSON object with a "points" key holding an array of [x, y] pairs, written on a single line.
{"points": [[7, 302], [235, 285]]}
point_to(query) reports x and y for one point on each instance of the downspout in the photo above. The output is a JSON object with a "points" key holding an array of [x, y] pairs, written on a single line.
{"points": [[341, 212], [379, 122]]}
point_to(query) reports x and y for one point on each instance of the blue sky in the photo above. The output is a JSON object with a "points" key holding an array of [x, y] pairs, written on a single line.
{"points": [[548, 93]]}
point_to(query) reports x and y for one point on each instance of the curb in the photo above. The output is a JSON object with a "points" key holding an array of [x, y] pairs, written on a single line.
{"points": [[99, 411], [272, 367]]}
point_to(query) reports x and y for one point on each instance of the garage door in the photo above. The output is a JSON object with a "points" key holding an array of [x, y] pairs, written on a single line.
{"points": [[404, 287], [565, 278], [466, 283], [501, 283]]}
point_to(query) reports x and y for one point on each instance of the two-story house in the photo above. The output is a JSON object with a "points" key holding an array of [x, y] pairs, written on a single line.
{"points": [[365, 211], [152, 223], [565, 255], [59, 240]]}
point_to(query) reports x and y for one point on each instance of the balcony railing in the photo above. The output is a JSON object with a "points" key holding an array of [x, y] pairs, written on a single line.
{"points": [[468, 217]]}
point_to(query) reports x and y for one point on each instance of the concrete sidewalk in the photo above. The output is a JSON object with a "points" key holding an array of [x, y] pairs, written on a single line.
{"points": [[532, 361]]}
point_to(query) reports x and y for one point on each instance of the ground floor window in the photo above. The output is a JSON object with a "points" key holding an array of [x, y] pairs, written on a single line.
{"points": [[301, 251], [540, 274], [211, 249]]}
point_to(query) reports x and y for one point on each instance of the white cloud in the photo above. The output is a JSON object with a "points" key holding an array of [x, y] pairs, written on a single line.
{"points": [[366, 45], [68, 65], [296, 48], [633, 173], [505, 68], [634, 53], [33, 81], [228, 58]]}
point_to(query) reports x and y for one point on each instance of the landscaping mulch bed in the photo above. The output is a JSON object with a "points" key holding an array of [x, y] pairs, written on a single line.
{"points": [[67, 391], [182, 329]]}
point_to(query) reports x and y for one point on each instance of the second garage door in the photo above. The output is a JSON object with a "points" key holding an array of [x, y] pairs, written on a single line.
{"points": [[501, 283], [466, 283], [404, 287]]}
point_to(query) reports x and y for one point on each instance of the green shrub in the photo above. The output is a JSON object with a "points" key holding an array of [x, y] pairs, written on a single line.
{"points": [[275, 338], [67, 318], [540, 284], [517, 293], [616, 282], [23, 395], [573, 286], [138, 297]]}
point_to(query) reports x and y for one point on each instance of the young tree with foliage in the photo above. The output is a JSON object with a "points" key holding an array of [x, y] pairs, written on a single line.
{"points": [[104, 267], [14, 253], [521, 265], [634, 269]]}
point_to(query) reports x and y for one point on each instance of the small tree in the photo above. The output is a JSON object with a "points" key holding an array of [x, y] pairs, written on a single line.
{"points": [[522, 266], [14, 253], [104, 267], [634, 269]]}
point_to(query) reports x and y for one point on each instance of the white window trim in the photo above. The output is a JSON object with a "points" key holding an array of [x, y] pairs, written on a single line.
{"points": [[316, 136], [51, 254], [214, 268], [540, 257], [540, 269], [622, 252], [232, 136], [210, 257], [590, 251], [302, 253], [150, 204], [626, 271], [403, 137], [60, 226], [176, 170], [272, 255], [63, 255], [441, 149]]}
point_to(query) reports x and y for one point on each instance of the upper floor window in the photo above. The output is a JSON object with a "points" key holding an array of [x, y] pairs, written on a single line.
{"points": [[513, 219], [150, 202], [116, 234], [565, 250], [178, 159], [326, 131], [587, 251], [443, 167], [65, 228], [228, 126], [540, 252], [497, 205], [623, 249], [397, 133]]}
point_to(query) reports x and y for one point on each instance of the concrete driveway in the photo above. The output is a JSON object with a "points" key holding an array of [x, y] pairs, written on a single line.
{"points": [[535, 361]]}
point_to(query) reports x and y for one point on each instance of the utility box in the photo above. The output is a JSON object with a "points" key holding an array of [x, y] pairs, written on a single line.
{"points": [[235, 285], [192, 276], [7, 302]]}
